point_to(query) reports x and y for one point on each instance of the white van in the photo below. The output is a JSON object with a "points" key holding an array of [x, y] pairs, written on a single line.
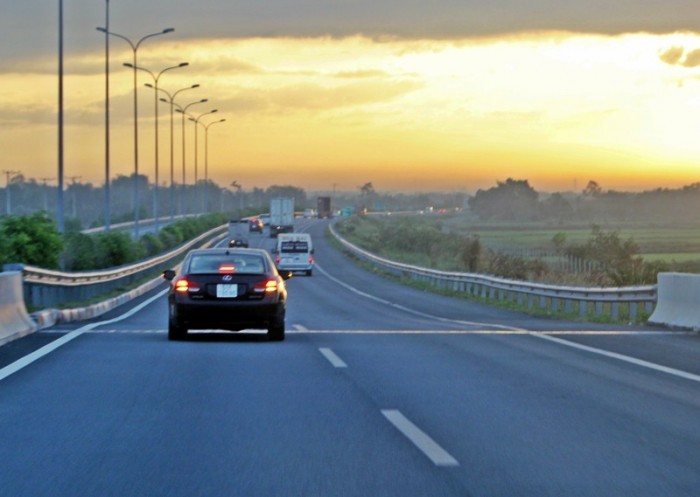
{"points": [[294, 253]]}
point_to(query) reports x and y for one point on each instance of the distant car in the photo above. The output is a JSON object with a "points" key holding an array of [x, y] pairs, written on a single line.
{"points": [[265, 218], [256, 225], [238, 242], [227, 289]]}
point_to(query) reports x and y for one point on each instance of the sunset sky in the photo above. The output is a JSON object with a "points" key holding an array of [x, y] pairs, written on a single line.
{"points": [[443, 95]]}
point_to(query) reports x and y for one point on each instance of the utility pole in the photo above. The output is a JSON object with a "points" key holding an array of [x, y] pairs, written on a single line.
{"points": [[238, 192], [8, 174], [46, 196], [72, 180]]}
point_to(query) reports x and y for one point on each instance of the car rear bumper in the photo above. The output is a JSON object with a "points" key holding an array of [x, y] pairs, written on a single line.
{"points": [[224, 316]]}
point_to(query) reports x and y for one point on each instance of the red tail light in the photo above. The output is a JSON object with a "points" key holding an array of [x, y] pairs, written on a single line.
{"points": [[183, 285], [311, 260], [267, 286], [277, 259]]}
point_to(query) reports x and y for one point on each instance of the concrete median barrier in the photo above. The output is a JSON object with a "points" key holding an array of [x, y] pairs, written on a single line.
{"points": [[14, 320], [678, 301]]}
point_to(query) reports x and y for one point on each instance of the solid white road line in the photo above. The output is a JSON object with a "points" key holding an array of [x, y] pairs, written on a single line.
{"points": [[336, 361], [412, 311], [621, 357], [515, 330], [47, 349], [427, 445]]}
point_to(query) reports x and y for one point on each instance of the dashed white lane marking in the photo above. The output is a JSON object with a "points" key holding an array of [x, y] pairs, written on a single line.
{"points": [[47, 349], [438, 455], [336, 361], [621, 357], [299, 327]]}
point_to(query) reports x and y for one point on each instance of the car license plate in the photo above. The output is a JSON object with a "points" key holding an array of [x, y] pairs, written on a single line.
{"points": [[226, 291]]}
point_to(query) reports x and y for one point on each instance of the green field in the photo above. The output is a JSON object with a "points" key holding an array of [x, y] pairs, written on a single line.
{"points": [[675, 245], [655, 243]]}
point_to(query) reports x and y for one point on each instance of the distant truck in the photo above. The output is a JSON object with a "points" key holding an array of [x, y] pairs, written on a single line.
{"points": [[238, 233], [281, 215], [323, 208]]}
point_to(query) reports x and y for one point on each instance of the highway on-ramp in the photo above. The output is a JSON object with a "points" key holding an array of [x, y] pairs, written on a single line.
{"points": [[378, 390]]}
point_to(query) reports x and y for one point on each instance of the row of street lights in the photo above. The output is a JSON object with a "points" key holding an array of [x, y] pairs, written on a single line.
{"points": [[173, 107]]}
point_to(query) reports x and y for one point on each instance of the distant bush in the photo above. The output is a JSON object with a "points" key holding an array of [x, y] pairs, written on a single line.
{"points": [[151, 244], [80, 252], [30, 240]]}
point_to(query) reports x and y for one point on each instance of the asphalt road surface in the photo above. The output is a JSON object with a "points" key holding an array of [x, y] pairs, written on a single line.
{"points": [[378, 390]]}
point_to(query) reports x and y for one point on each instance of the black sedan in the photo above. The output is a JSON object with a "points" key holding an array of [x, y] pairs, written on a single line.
{"points": [[228, 289]]}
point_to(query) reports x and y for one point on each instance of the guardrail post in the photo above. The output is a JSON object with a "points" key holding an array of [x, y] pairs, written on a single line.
{"points": [[582, 308], [615, 311], [633, 311]]}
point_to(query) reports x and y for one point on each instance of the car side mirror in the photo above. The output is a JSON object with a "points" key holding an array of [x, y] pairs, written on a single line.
{"points": [[169, 274]]}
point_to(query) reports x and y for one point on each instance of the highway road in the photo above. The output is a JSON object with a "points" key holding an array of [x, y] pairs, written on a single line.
{"points": [[378, 390]]}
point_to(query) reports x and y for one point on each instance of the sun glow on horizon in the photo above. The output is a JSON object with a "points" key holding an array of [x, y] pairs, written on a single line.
{"points": [[427, 114]]}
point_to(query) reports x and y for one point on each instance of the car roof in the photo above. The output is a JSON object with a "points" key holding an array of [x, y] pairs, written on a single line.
{"points": [[228, 251]]}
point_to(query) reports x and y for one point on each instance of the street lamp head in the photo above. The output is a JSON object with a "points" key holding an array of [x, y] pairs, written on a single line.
{"points": [[203, 100], [195, 85], [149, 85], [168, 30], [215, 110], [164, 100], [183, 64], [127, 64], [101, 30]]}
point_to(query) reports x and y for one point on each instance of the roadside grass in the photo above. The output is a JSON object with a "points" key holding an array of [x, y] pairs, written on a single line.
{"points": [[591, 317]]}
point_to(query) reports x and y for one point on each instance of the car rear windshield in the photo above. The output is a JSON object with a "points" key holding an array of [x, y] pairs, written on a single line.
{"points": [[215, 264], [294, 247]]}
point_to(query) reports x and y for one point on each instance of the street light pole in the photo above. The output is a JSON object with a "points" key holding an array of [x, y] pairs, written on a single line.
{"points": [[171, 100], [195, 120], [156, 78], [108, 207], [183, 111], [134, 49], [206, 155], [60, 220]]}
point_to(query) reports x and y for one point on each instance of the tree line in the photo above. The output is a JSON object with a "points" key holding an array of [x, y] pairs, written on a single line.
{"points": [[516, 200]]}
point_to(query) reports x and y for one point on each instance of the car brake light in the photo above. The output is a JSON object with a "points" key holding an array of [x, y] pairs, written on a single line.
{"points": [[183, 285], [277, 259], [266, 286], [311, 260], [227, 268]]}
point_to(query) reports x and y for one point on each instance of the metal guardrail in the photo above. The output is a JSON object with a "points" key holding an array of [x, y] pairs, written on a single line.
{"points": [[590, 300], [45, 287]]}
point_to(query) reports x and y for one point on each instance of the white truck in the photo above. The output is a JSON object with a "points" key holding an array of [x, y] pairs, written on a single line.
{"points": [[281, 215], [295, 253]]}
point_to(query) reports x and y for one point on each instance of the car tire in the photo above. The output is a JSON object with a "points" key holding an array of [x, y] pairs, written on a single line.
{"points": [[176, 332], [275, 331]]}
